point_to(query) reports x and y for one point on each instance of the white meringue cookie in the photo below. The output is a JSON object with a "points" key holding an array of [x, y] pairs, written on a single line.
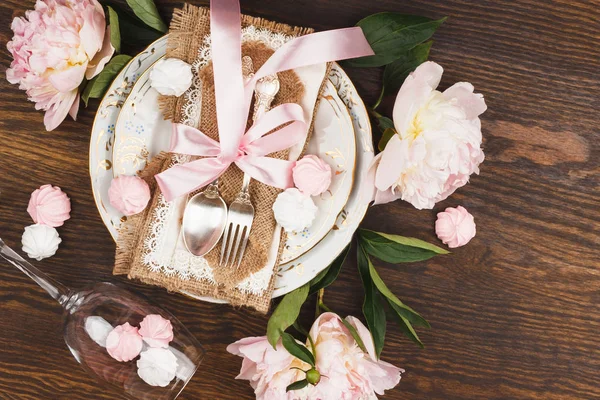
{"points": [[171, 77], [293, 210], [40, 241], [98, 329], [157, 366]]}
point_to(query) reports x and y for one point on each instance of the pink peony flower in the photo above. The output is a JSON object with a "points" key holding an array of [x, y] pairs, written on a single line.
{"points": [[129, 194], [156, 331], [54, 47], [268, 370], [50, 206], [124, 343], [312, 175], [347, 372], [455, 226], [437, 145]]}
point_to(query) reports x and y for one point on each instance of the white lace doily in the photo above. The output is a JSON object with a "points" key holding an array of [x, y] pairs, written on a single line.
{"points": [[159, 254]]}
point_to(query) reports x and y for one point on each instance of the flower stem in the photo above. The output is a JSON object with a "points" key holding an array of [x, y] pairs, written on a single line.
{"points": [[378, 102], [374, 113], [320, 295], [324, 307]]}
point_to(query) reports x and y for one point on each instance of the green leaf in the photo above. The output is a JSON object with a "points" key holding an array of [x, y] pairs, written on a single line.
{"points": [[297, 385], [404, 324], [396, 72], [385, 123], [98, 86], [330, 274], [286, 313], [403, 309], [115, 31], [397, 249], [387, 135], [146, 11], [391, 35], [134, 33], [296, 349], [372, 305], [354, 334]]}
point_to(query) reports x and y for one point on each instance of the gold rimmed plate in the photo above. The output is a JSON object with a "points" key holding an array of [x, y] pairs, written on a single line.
{"points": [[141, 133]]}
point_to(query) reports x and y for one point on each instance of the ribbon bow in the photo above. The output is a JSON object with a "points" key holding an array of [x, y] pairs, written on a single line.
{"points": [[249, 149]]}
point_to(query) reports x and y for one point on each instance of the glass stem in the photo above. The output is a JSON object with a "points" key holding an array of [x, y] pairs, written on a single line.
{"points": [[57, 290]]}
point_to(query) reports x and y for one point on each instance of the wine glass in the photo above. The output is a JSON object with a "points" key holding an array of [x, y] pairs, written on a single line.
{"points": [[92, 312]]}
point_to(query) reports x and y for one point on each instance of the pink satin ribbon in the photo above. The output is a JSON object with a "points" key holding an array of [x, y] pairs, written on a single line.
{"points": [[249, 149]]}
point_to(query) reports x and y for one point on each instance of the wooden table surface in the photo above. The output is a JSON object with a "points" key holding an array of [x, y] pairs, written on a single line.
{"points": [[515, 314]]}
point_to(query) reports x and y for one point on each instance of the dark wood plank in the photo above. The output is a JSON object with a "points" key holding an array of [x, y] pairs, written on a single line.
{"points": [[515, 314]]}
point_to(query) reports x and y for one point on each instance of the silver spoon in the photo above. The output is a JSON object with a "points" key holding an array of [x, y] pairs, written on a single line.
{"points": [[204, 220]]}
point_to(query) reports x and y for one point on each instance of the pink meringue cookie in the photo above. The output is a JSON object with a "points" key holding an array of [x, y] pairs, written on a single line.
{"points": [[312, 175], [129, 194], [124, 343], [50, 206], [455, 227], [156, 331]]}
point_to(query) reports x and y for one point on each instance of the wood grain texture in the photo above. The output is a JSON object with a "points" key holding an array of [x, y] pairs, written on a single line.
{"points": [[514, 315]]}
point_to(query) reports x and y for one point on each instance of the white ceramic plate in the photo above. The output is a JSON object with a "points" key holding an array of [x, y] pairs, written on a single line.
{"points": [[103, 131], [292, 274], [141, 133]]}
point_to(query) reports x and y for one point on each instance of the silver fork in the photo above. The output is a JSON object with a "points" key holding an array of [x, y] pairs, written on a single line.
{"points": [[241, 210]]}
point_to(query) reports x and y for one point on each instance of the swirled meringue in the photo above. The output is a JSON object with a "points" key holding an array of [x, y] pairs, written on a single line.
{"points": [[124, 343], [455, 227], [312, 175], [293, 210], [171, 77], [40, 241], [156, 331], [49, 205], [157, 367], [129, 194]]}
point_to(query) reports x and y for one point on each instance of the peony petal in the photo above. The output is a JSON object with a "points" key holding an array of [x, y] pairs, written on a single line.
{"points": [[472, 103], [101, 58], [387, 378], [364, 334], [369, 189], [414, 93], [69, 79], [75, 108], [385, 196], [92, 31], [59, 110], [391, 165]]}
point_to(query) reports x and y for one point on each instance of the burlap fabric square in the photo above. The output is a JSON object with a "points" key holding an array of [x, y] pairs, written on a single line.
{"points": [[189, 29]]}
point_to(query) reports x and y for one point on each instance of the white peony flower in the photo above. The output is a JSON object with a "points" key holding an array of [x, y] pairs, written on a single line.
{"points": [[157, 367], [437, 145], [40, 241], [293, 210], [98, 329], [171, 77]]}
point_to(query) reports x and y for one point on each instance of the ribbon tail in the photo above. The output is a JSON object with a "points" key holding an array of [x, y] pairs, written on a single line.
{"points": [[188, 140], [316, 48], [182, 179], [270, 171]]}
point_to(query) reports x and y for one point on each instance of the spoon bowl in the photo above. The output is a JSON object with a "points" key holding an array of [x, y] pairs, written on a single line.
{"points": [[204, 221]]}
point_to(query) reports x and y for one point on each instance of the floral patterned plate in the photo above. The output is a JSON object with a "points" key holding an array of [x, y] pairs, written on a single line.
{"points": [[290, 275]]}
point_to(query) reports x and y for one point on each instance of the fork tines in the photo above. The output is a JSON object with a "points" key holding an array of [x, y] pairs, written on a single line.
{"points": [[237, 232]]}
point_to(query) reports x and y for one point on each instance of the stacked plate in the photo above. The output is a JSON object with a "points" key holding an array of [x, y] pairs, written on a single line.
{"points": [[129, 130]]}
